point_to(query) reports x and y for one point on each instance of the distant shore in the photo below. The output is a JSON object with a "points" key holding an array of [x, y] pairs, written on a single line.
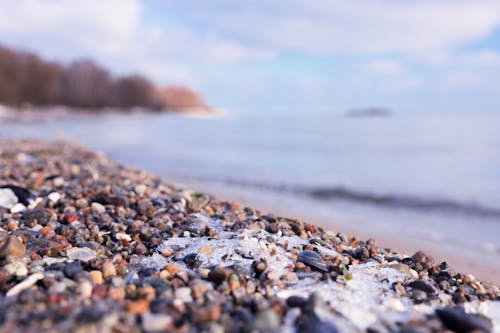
{"points": [[9, 113], [90, 244]]}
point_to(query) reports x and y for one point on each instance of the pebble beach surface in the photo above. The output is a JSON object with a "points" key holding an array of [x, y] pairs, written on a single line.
{"points": [[87, 245]]}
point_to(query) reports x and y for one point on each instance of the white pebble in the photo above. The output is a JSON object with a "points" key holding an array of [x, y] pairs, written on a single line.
{"points": [[17, 208], [140, 189], [7, 198], [98, 208], [155, 322], [81, 253], [123, 236], [27, 283], [184, 294], [54, 197]]}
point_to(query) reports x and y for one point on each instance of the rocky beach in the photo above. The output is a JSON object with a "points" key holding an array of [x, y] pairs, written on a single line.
{"points": [[89, 245]]}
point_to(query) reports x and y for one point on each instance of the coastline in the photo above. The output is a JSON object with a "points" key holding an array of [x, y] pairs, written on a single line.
{"points": [[479, 261], [101, 245]]}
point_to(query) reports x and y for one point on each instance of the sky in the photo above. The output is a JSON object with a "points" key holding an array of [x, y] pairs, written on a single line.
{"points": [[281, 56]]}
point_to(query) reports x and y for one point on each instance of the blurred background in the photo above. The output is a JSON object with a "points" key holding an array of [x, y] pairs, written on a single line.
{"points": [[375, 118]]}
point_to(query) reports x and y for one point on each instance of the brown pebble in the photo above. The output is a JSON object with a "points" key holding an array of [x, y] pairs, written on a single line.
{"points": [[137, 307], [12, 246], [96, 277], [209, 313], [172, 269], [108, 270]]}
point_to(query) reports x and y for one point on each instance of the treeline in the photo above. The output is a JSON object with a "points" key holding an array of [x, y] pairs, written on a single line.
{"points": [[27, 79]]}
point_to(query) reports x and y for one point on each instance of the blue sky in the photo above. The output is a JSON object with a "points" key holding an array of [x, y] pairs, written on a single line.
{"points": [[257, 55]]}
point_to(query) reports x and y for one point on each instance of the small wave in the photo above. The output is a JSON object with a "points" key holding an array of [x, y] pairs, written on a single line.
{"points": [[399, 201], [404, 201]]}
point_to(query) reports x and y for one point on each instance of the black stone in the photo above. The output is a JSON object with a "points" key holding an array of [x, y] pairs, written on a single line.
{"points": [[457, 320], [424, 286], [35, 215], [90, 314], [310, 323], [313, 260], [191, 260], [72, 270], [362, 254], [296, 301]]}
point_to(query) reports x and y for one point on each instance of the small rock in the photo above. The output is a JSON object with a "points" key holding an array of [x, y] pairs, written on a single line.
{"points": [[27, 283], [98, 208], [266, 321], [81, 253], [16, 268], [90, 314], [7, 198], [108, 270], [405, 269], [207, 314], [18, 208], [362, 254], [152, 322], [198, 201], [424, 286], [37, 216], [137, 307], [140, 189], [85, 289], [54, 197], [184, 294], [8, 192], [123, 236], [457, 320], [422, 261], [313, 260], [12, 246], [96, 277], [72, 270]]}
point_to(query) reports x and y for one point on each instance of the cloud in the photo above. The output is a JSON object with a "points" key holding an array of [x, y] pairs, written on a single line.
{"points": [[357, 26], [341, 48]]}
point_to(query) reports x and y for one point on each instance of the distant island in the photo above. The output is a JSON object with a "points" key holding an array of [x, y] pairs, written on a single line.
{"points": [[369, 112], [28, 81]]}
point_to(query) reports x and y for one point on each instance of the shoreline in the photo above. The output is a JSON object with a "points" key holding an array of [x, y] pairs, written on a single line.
{"points": [[89, 244], [463, 259]]}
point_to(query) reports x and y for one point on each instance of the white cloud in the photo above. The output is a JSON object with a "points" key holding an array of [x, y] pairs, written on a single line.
{"points": [[356, 26]]}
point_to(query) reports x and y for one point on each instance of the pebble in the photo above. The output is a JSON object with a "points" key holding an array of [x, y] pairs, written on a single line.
{"points": [[17, 208], [110, 248], [140, 189], [98, 208], [424, 286], [7, 198], [313, 260], [85, 288], [266, 321], [207, 314], [457, 320], [81, 253], [108, 270], [405, 269], [152, 322], [16, 268], [12, 246], [54, 197], [72, 270], [27, 283], [184, 294]]}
